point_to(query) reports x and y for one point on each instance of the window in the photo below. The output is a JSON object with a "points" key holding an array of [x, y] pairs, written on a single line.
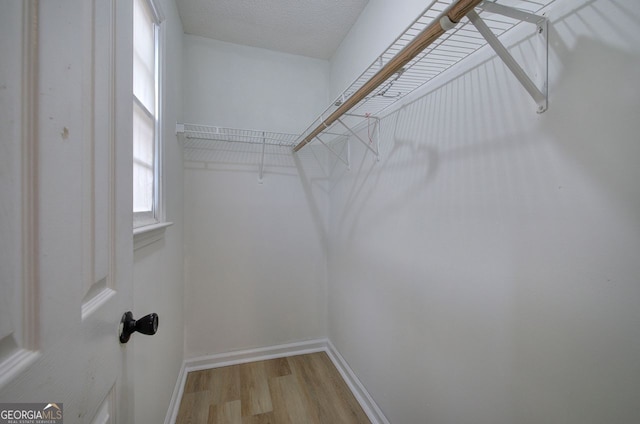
{"points": [[146, 122]]}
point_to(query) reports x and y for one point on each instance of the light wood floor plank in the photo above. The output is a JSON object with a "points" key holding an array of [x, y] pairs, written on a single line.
{"points": [[277, 367], [291, 405], [254, 394], [194, 408], [197, 381], [304, 389], [225, 413], [224, 384], [324, 384], [266, 418]]}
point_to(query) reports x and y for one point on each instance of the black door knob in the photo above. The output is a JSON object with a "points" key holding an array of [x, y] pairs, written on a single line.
{"points": [[148, 324]]}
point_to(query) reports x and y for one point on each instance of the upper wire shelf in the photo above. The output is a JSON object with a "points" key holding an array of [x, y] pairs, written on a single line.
{"points": [[450, 48]]}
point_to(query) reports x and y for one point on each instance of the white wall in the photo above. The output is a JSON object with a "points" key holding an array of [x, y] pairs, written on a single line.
{"points": [[158, 268], [245, 87], [255, 254], [486, 269]]}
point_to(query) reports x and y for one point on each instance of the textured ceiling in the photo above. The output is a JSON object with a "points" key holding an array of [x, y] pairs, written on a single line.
{"points": [[312, 28]]}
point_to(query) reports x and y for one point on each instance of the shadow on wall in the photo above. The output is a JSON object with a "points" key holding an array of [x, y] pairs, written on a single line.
{"points": [[478, 114], [459, 251], [577, 326], [475, 116], [601, 131], [314, 187]]}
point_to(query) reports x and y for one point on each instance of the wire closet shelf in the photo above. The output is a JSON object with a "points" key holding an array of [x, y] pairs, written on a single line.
{"points": [[198, 137], [237, 135], [457, 43]]}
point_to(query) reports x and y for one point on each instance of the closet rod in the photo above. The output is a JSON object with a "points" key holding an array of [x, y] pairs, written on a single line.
{"points": [[419, 43]]}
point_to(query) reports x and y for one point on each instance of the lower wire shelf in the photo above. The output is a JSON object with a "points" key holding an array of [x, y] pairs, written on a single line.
{"points": [[195, 134], [237, 135]]}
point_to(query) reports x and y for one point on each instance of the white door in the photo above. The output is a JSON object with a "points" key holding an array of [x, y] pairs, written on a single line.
{"points": [[65, 206]]}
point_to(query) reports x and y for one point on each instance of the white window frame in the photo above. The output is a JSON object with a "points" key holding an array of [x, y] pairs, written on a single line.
{"points": [[148, 221]]}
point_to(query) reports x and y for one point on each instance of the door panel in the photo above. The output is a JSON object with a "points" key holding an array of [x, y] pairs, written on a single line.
{"points": [[18, 267], [106, 412], [99, 138], [65, 187]]}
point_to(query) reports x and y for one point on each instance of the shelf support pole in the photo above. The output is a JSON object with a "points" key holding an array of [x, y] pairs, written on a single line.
{"points": [[539, 96]]}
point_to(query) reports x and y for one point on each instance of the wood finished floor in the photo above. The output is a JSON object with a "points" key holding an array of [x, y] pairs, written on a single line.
{"points": [[304, 389]]}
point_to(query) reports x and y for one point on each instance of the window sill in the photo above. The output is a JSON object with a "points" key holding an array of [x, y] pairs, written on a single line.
{"points": [[148, 234]]}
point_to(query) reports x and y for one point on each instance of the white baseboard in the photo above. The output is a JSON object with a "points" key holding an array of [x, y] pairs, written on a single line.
{"points": [[176, 397], [259, 354], [272, 352], [355, 385]]}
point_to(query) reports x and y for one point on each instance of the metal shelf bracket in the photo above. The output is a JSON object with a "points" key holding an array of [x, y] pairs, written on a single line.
{"points": [[261, 173], [349, 127], [376, 132], [336, 154], [364, 143], [537, 89]]}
